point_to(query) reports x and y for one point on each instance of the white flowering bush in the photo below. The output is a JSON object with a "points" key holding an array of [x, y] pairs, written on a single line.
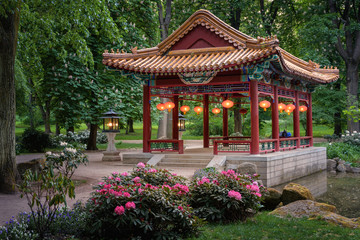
{"points": [[15, 229], [48, 189], [77, 138], [351, 138]]}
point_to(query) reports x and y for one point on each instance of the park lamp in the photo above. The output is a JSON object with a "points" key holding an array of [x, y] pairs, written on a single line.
{"points": [[181, 123], [110, 121]]}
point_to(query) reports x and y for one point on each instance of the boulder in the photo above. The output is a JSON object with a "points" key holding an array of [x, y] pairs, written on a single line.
{"points": [[272, 199], [355, 170], [341, 167], [331, 165], [247, 168], [293, 192], [303, 208], [314, 210]]}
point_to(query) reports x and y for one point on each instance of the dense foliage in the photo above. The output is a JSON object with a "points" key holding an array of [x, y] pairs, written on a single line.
{"points": [[146, 203], [33, 140], [225, 196]]}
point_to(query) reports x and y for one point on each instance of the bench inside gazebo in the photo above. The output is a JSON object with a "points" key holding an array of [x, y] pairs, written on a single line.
{"points": [[209, 59]]}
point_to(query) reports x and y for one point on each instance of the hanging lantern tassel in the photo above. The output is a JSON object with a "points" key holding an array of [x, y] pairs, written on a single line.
{"points": [[264, 104]]}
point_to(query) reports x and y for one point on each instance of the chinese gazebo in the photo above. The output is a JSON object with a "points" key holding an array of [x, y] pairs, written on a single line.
{"points": [[208, 58]]}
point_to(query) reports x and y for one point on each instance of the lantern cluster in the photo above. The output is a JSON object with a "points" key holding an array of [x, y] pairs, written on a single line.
{"points": [[167, 105]]}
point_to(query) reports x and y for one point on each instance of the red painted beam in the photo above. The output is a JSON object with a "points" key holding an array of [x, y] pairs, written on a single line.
{"points": [[206, 121], [254, 99], [275, 117], [309, 126], [146, 119], [175, 117], [296, 119]]}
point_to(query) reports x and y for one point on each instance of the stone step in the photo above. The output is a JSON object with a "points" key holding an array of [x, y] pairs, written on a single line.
{"points": [[181, 164], [193, 156], [202, 161]]}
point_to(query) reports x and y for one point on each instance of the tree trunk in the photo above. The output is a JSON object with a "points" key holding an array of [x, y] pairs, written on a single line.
{"points": [[57, 131], [8, 38], [45, 113], [237, 116], [337, 114], [352, 82], [91, 144], [131, 125]]}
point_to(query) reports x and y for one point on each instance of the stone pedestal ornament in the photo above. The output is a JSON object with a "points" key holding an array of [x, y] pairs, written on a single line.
{"points": [[111, 153]]}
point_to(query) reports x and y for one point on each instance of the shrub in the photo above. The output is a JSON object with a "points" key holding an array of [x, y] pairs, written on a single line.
{"points": [[351, 138], [209, 172], [225, 197], [15, 229], [35, 141], [47, 189], [77, 138], [345, 151], [126, 206]]}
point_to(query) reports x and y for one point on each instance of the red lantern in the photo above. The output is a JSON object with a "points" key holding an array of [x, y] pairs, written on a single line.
{"points": [[302, 108], [290, 106], [288, 110], [281, 107], [198, 109], [216, 110], [184, 109], [227, 104], [161, 106], [169, 106], [264, 104], [243, 111]]}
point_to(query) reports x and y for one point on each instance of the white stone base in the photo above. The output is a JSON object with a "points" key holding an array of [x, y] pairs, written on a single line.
{"points": [[111, 156]]}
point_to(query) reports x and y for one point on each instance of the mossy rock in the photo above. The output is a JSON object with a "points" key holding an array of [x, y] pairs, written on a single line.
{"points": [[337, 219], [293, 192], [272, 199]]}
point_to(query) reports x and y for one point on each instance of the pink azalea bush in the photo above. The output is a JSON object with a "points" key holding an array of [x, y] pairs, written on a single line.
{"points": [[147, 203], [226, 196]]}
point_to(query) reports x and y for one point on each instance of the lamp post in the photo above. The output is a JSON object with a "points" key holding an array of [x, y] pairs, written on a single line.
{"points": [[181, 125], [111, 128]]}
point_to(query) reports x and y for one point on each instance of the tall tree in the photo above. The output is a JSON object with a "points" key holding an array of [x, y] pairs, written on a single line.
{"points": [[9, 23], [346, 20]]}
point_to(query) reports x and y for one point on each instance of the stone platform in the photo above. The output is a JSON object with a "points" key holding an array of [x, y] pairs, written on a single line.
{"points": [[274, 168]]}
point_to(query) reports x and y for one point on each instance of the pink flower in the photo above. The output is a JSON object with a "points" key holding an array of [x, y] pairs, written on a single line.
{"points": [[126, 194], [166, 186], [152, 170], [107, 186], [125, 174], [140, 165], [136, 179], [234, 194], [174, 174], [130, 205], [140, 190], [115, 173], [205, 180], [258, 194], [254, 188], [119, 210], [118, 179], [216, 182], [101, 183], [180, 208]]}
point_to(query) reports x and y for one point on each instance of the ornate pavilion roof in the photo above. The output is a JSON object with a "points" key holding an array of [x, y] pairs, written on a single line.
{"points": [[205, 43]]}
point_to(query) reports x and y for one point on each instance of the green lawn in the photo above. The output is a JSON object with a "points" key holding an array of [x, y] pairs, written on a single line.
{"points": [[264, 226]]}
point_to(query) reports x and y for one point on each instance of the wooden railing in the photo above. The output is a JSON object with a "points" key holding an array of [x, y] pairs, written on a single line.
{"points": [[169, 145], [268, 145], [305, 141], [212, 139], [231, 146]]}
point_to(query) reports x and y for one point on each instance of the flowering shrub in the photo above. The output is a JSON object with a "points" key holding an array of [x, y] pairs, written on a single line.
{"points": [[351, 138], [80, 137], [226, 196], [148, 203], [205, 172]]}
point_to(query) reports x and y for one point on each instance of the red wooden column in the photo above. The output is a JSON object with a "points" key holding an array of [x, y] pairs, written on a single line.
{"points": [[309, 127], [225, 121], [275, 117], [254, 99], [146, 118], [206, 121], [175, 117], [296, 119]]}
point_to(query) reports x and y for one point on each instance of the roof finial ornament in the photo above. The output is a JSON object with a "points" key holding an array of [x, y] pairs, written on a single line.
{"points": [[122, 51], [106, 51], [134, 50], [117, 51], [112, 51]]}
